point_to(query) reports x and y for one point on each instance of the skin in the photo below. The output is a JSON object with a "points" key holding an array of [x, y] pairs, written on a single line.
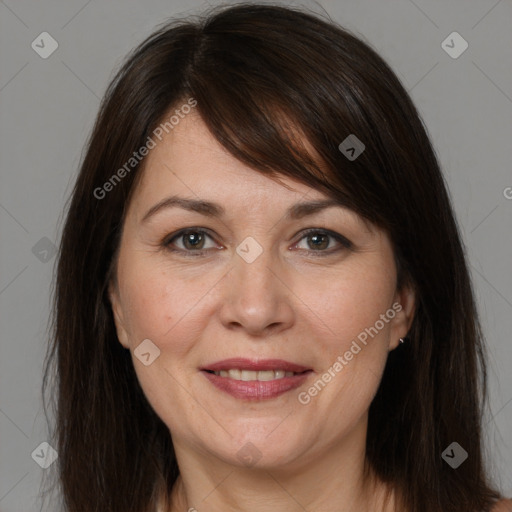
{"points": [[291, 303], [503, 506]]}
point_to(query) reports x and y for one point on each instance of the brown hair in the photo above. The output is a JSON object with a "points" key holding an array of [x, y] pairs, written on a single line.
{"points": [[256, 71]]}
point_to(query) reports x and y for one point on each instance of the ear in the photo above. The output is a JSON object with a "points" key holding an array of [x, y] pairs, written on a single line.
{"points": [[404, 306], [115, 302]]}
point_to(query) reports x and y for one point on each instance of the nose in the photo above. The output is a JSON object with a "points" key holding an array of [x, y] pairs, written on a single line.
{"points": [[256, 298]]}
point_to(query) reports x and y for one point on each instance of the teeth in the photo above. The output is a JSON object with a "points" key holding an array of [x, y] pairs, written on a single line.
{"points": [[266, 375], [247, 375]]}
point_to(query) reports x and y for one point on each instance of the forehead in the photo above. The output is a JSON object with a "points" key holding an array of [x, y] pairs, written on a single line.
{"points": [[190, 161]]}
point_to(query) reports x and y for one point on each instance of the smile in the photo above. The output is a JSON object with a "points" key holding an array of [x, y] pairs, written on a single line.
{"points": [[248, 375], [262, 379]]}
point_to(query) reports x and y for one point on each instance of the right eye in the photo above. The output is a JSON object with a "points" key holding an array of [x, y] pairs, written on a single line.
{"points": [[190, 240]]}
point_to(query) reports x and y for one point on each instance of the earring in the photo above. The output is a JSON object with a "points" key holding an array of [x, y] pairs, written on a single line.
{"points": [[402, 340]]}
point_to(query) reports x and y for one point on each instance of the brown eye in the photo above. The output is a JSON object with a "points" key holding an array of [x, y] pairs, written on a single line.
{"points": [[322, 241], [193, 240], [319, 241], [190, 240]]}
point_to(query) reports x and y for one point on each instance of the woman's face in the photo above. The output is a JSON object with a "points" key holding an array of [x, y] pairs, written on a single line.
{"points": [[261, 281]]}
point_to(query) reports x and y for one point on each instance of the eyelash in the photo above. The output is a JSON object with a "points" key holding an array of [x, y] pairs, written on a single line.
{"points": [[345, 243]]}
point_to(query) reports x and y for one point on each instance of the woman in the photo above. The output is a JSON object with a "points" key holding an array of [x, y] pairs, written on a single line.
{"points": [[262, 297]]}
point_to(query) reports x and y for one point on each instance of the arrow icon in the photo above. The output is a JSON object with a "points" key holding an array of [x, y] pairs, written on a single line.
{"points": [[249, 249], [44, 45], [44, 249], [146, 352], [351, 147], [454, 45], [454, 455], [249, 454], [44, 455]]}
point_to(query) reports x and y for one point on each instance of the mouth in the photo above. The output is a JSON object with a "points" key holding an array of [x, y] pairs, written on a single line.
{"points": [[248, 375], [255, 380]]}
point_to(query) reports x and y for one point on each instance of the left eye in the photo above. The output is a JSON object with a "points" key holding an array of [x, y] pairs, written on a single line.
{"points": [[320, 241]]}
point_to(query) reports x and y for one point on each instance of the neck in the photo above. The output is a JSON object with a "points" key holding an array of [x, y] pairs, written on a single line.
{"points": [[333, 480]]}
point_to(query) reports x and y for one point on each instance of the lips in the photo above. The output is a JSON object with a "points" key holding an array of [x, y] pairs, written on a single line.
{"points": [[261, 375], [255, 380], [255, 365]]}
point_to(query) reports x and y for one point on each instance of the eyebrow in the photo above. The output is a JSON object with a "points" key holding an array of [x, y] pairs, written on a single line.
{"points": [[210, 209]]}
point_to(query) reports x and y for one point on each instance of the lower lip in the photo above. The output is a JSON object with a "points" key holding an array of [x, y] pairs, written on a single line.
{"points": [[255, 389]]}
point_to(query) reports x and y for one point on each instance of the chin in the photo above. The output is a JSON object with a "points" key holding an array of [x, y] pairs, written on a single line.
{"points": [[258, 448]]}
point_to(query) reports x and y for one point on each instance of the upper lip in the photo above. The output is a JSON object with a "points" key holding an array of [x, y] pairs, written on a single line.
{"points": [[240, 363]]}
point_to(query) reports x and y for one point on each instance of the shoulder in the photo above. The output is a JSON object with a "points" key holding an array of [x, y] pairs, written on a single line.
{"points": [[502, 506]]}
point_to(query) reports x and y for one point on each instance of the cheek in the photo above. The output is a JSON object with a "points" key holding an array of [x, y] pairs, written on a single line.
{"points": [[169, 311], [354, 339], [163, 306], [149, 309], [349, 301]]}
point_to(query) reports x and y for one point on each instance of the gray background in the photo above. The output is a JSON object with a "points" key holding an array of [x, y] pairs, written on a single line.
{"points": [[48, 107]]}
